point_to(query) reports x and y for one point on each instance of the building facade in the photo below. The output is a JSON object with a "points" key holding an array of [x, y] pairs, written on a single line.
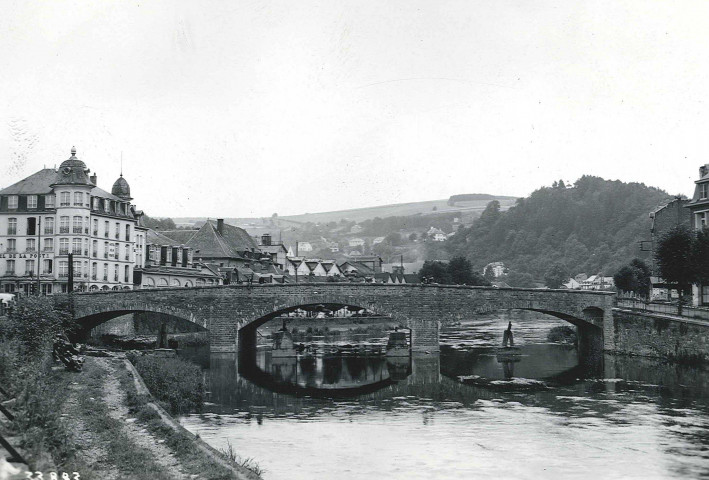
{"points": [[53, 216], [699, 209]]}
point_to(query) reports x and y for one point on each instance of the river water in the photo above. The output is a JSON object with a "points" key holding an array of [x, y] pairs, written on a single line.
{"points": [[472, 412]]}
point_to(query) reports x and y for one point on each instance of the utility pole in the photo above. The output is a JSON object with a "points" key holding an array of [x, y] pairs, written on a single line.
{"points": [[70, 286], [39, 241]]}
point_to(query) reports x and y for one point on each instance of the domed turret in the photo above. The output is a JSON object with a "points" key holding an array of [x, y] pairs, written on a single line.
{"points": [[73, 171], [121, 189]]}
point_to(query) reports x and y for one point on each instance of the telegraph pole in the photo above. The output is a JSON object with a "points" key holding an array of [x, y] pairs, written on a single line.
{"points": [[39, 241]]}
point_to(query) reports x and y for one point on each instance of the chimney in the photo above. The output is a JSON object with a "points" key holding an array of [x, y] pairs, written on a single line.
{"points": [[703, 170], [220, 225], [93, 179], [266, 239]]}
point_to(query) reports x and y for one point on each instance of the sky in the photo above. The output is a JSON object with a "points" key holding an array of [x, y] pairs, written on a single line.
{"points": [[246, 108]]}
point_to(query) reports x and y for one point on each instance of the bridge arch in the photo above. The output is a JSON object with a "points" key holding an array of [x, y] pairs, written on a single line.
{"points": [[93, 316]]}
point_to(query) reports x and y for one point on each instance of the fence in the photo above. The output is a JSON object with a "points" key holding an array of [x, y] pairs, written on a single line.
{"points": [[14, 457], [667, 308]]}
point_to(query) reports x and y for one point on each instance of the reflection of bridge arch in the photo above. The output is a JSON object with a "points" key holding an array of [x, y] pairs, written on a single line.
{"points": [[251, 372]]}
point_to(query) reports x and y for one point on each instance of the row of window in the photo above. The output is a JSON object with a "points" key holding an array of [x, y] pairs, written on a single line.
{"points": [[110, 250], [47, 264], [78, 225], [80, 199]]}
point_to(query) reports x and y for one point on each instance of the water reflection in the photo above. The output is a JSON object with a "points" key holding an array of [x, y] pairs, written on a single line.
{"points": [[614, 417]]}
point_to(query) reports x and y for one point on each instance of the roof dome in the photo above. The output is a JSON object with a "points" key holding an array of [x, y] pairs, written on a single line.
{"points": [[72, 161], [72, 171], [121, 189]]}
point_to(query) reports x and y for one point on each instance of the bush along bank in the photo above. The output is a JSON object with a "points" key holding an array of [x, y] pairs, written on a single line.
{"points": [[36, 391], [195, 456]]}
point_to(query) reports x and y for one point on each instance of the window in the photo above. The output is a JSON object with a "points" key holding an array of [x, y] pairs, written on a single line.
{"points": [[31, 201], [12, 226], [106, 204], [118, 230], [49, 226], [64, 225], [127, 274], [127, 233], [47, 267], [107, 227], [86, 225], [10, 269], [49, 201], [63, 246], [48, 245], [88, 199], [704, 188], [64, 198], [31, 245], [11, 245], [105, 272], [105, 249], [127, 252], [76, 224], [94, 248], [95, 233], [94, 270], [29, 267], [115, 273], [63, 268], [96, 203], [12, 201], [77, 269], [76, 246], [78, 199], [31, 226]]}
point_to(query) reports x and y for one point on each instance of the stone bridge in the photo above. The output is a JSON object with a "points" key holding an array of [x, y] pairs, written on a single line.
{"points": [[232, 313]]}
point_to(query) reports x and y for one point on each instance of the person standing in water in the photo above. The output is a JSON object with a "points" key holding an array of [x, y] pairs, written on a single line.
{"points": [[507, 336]]}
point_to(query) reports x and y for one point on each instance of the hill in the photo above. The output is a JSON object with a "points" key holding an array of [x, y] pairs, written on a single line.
{"points": [[401, 210], [593, 227], [474, 205]]}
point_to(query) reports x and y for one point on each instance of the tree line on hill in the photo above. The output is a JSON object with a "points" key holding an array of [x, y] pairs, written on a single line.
{"points": [[593, 227]]}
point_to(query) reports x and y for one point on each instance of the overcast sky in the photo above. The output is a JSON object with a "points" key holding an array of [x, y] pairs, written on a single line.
{"points": [[245, 108]]}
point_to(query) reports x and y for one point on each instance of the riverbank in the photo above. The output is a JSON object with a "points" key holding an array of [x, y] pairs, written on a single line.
{"points": [[119, 432]]}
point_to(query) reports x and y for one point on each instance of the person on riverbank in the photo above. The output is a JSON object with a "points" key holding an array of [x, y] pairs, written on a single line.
{"points": [[507, 336]]}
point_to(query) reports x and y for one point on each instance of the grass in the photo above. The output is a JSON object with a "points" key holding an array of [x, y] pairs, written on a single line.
{"points": [[193, 460], [247, 463], [131, 460], [175, 382]]}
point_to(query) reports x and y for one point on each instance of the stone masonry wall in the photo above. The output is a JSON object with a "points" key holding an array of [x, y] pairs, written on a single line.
{"points": [[656, 335]]}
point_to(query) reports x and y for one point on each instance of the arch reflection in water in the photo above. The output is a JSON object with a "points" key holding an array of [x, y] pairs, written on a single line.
{"points": [[323, 376]]}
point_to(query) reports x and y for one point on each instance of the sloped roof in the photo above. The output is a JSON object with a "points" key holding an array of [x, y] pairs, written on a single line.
{"points": [[207, 243], [37, 183], [157, 238], [237, 238], [180, 236]]}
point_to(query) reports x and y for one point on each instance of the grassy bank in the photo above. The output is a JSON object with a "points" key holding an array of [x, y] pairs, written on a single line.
{"points": [[200, 461]]}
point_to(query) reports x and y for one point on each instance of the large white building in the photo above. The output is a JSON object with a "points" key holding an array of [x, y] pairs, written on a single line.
{"points": [[52, 213]]}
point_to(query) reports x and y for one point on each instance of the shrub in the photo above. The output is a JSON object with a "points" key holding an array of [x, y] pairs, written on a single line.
{"points": [[562, 334], [175, 382]]}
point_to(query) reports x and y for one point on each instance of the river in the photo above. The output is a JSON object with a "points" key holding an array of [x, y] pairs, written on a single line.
{"points": [[537, 414]]}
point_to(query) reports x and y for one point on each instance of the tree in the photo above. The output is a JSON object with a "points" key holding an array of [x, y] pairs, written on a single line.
{"points": [[460, 271], [634, 278], [701, 256], [413, 237], [393, 239], [555, 276], [675, 256], [434, 271]]}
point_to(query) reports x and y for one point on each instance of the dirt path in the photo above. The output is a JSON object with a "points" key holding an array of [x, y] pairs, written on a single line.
{"points": [[115, 401], [86, 440]]}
